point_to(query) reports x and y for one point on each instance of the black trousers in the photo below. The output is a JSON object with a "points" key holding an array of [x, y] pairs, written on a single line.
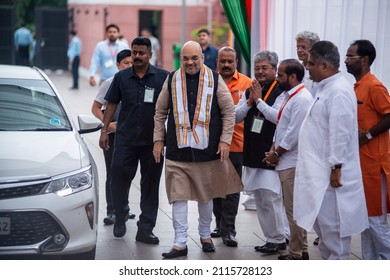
{"points": [[75, 71], [225, 209], [123, 169], [23, 55], [108, 160]]}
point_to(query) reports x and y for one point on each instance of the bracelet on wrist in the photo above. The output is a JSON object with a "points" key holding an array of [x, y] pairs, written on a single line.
{"points": [[276, 154]]}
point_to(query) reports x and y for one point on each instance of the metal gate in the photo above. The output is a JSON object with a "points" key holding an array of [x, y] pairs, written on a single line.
{"points": [[52, 38], [7, 25]]}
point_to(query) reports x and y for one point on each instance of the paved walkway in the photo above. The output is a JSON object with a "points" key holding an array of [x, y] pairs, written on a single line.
{"points": [[249, 233]]}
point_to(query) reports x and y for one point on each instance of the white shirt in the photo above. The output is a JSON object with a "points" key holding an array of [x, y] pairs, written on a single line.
{"points": [[287, 130], [329, 136], [258, 178], [155, 48], [103, 91]]}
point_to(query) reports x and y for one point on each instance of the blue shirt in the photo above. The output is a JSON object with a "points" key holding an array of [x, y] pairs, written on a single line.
{"points": [[104, 58], [210, 57], [74, 48], [22, 37]]}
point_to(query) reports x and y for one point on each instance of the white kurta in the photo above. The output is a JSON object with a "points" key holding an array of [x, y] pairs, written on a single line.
{"points": [[329, 136], [258, 178]]}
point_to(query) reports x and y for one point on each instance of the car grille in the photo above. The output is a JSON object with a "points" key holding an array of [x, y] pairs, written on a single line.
{"points": [[21, 191], [29, 228]]}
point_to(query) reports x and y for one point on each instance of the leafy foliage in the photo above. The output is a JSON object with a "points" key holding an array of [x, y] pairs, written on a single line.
{"points": [[219, 33], [25, 9]]}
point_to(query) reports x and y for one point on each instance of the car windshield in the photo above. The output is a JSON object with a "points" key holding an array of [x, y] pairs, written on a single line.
{"points": [[30, 105]]}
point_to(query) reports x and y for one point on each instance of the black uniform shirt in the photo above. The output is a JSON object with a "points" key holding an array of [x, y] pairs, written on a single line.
{"points": [[135, 124]]}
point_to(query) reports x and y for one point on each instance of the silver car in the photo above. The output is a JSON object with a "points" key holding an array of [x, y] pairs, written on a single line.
{"points": [[48, 178]]}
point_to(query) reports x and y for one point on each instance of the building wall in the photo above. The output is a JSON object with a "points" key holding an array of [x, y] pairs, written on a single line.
{"points": [[90, 22], [338, 21]]}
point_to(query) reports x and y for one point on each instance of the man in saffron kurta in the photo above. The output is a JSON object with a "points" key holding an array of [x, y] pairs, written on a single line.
{"points": [[200, 114], [374, 124], [225, 209]]}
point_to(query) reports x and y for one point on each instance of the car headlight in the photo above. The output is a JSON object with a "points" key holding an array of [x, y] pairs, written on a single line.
{"points": [[70, 183]]}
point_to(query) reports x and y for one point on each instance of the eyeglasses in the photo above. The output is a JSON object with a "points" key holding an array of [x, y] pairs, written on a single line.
{"points": [[350, 57], [263, 68]]}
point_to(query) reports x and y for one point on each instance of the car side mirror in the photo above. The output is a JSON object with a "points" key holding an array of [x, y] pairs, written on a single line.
{"points": [[88, 124]]}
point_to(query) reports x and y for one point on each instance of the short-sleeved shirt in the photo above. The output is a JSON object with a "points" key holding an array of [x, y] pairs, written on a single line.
{"points": [[102, 93], [138, 97], [22, 37]]}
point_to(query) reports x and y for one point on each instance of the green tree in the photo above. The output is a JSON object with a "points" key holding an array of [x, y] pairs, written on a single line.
{"points": [[25, 9], [220, 33]]}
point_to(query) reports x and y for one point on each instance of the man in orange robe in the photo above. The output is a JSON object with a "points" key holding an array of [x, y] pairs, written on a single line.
{"points": [[374, 124], [225, 209]]}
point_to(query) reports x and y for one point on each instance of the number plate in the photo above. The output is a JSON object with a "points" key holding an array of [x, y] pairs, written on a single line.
{"points": [[5, 225]]}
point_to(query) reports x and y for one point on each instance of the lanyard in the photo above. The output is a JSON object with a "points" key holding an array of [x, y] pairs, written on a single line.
{"points": [[113, 55], [284, 104], [269, 91]]}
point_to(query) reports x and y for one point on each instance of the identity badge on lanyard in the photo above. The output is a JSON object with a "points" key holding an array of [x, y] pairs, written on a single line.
{"points": [[149, 95], [257, 124], [258, 121], [110, 62]]}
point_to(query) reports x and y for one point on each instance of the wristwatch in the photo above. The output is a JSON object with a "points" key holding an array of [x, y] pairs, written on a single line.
{"points": [[275, 153], [368, 135], [337, 166]]}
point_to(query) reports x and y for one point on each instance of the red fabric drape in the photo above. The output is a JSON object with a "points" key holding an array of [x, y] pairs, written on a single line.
{"points": [[248, 4]]}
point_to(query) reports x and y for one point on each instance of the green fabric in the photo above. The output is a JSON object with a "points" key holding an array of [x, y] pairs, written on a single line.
{"points": [[235, 11]]}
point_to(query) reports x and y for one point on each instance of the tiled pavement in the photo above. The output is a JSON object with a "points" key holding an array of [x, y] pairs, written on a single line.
{"points": [[249, 233]]}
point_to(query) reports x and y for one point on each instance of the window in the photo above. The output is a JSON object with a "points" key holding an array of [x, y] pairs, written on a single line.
{"points": [[30, 105]]}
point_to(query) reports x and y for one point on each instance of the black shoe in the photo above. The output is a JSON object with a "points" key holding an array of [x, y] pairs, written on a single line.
{"points": [[130, 216], [289, 257], [305, 255], [230, 240], [109, 220], [119, 228], [316, 241], [271, 248], [174, 253], [145, 237], [207, 247], [216, 233]]}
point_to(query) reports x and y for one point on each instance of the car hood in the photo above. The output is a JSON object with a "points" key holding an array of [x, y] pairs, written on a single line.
{"points": [[35, 155]]}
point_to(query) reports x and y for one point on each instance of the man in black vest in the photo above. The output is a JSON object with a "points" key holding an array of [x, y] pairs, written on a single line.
{"points": [[137, 89], [259, 178], [200, 113]]}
